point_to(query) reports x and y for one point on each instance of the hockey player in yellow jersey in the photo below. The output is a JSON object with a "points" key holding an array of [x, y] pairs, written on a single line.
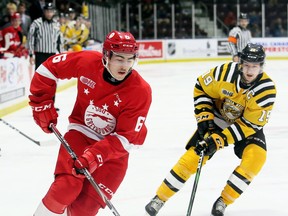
{"points": [[76, 35], [232, 102]]}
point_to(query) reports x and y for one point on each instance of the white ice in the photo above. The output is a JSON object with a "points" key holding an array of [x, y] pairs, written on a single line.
{"points": [[26, 170]]}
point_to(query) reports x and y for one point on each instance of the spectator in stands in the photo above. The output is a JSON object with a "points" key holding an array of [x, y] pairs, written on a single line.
{"points": [[72, 14], [36, 9], [25, 19], [230, 20], [64, 27], [11, 8], [63, 6], [77, 35], [277, 29], [239, 37], [255, 30], [11, 44]]}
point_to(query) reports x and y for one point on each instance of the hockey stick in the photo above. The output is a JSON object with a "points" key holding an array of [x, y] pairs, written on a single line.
{"points": [[196, 180], [25, 135], [86, 172]]}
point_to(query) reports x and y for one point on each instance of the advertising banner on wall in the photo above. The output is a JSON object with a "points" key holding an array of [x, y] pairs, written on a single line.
{"points": [[222, 48], [151, 49], [185, 49], [14, 78], [273, 46]]}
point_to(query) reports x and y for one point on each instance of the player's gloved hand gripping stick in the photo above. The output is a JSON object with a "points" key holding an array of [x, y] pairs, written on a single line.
{"points": [[85, 171]]}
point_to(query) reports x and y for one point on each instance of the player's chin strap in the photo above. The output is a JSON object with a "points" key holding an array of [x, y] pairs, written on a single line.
{"points": [[85, 171]]}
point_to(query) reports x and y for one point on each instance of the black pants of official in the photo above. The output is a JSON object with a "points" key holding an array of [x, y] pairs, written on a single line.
{"points": [[40, 58]]}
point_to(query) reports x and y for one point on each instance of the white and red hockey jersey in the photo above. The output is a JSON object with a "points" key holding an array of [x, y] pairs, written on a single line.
{"points": [[112, 114]]}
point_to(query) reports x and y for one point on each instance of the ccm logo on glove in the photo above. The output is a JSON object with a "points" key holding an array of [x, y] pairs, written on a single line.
{"points": [[44, 113], [42, 108]]}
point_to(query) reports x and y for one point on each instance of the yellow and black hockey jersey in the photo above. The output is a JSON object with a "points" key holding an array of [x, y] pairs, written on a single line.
{"points": [[245, 110]]}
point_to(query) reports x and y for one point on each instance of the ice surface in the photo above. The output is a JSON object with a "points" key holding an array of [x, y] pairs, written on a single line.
{"points": [[26, 170]]}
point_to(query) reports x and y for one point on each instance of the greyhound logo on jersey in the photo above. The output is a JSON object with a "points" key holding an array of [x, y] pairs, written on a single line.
{"points": [[99, 119], [231, 110]]}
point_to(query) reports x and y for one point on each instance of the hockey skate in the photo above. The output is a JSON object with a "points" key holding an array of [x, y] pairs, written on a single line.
{"points": [[218, 207], [153, 207]]}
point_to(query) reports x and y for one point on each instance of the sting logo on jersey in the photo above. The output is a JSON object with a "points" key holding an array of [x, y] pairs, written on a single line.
{"points": [[231, 110], [99, 119], [88, 82]]}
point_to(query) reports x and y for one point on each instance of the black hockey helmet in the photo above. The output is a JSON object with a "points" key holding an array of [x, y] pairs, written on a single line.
{"points": [[253, 53], [48, 6], [243, 16]]}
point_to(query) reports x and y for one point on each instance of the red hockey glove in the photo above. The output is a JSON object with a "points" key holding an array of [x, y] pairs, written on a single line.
{"points": [[205, 122], [44, 113], [90, 159], [211, 144]]}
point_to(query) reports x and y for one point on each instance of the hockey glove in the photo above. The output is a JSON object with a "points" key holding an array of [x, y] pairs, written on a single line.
{"points": [[211, 144], [91, 159], [205, 122], [44, 113]]}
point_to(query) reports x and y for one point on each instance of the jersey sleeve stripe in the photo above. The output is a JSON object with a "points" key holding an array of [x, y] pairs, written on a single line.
{"points": [[202, 100], [42, 70], [230, 72], [263, 86], [235, 73], [125, 143], [217, 73], [198, 86], [266, 101]]}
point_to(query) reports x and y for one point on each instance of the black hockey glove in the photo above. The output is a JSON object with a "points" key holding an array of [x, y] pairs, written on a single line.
{"points": [[211, 144], [205, 122]]}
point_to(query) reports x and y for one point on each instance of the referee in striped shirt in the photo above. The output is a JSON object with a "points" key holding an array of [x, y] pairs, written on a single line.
{"points": [[239, 37], [45, 38]]}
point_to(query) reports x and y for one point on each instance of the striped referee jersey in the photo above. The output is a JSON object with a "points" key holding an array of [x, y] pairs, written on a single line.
{"points": [[45, 36], [238, 39]]}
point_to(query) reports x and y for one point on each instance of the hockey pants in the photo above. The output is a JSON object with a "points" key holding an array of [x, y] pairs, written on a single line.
{"points": [[76, 195]]}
